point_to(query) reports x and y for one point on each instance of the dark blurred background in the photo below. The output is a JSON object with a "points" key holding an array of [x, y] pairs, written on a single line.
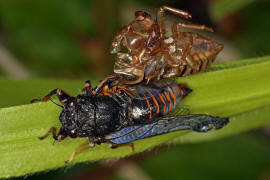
{"points": [[71, 39]]}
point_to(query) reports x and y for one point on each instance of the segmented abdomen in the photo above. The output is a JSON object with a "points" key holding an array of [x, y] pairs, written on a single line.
{"points": [[156, 99]]}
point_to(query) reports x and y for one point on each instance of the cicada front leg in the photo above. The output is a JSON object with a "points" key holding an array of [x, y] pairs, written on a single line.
{"points": [[61, 135]]}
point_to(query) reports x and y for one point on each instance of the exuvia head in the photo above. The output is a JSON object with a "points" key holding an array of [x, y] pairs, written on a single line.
{"points": [[144, 19]]}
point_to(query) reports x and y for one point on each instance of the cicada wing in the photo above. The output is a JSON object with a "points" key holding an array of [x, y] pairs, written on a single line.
{"points": [[181, 110], [195, 122]]}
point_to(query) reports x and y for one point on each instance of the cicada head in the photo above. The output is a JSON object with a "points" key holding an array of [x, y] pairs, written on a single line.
{"points": [[144, 19], [77, 117]]}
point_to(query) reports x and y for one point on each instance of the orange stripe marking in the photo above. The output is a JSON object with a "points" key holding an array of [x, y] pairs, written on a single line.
{"points": [[169, 99], [163, 102], [172, 94], [154, 99], [106, 88], [148, 104], [180, 91]]}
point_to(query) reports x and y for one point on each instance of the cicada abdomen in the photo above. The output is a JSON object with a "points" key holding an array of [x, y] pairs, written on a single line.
{"points": [[156, 99]]}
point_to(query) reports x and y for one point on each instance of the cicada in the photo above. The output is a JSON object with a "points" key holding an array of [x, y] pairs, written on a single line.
{"points": [[120, 114]]}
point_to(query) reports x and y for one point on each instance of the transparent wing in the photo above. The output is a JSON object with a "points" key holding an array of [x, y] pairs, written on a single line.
{"points": [[180, 110], [194, 122]]}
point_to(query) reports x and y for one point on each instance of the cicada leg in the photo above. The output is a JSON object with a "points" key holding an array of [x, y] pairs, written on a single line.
{"points": [[87, 87], [106, 84], [121, 36], [196, 27], [61, 135], [110, 85], [175, 11], [91, 144], [191, 63], [62, 96], [80, 149]]}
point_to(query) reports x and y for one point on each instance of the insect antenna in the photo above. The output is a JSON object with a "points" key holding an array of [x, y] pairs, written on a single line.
{"points": [[56, 103]]}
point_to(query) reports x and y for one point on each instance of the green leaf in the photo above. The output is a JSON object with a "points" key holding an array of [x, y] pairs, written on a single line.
{"points": [[240, 90]]}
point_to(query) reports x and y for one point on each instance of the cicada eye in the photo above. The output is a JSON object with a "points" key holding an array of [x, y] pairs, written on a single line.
{"points": [[73, 133], [140, 15]]}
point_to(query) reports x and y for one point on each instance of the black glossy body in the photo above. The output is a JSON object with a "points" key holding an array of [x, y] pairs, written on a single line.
{"points": [[98, 115], [91, 116], [120, 114]]}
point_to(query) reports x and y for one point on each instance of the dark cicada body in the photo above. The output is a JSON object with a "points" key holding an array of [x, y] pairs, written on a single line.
{"points": [[144, 52], [118, 115], [94, 116]]}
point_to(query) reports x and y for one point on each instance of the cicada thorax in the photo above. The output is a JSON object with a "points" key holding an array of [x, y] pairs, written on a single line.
{"points": [[129, 63], [155, 100], [137, 50]]}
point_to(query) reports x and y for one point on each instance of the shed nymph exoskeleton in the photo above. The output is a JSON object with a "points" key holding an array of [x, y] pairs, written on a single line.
{"points": [[144, 51]]}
